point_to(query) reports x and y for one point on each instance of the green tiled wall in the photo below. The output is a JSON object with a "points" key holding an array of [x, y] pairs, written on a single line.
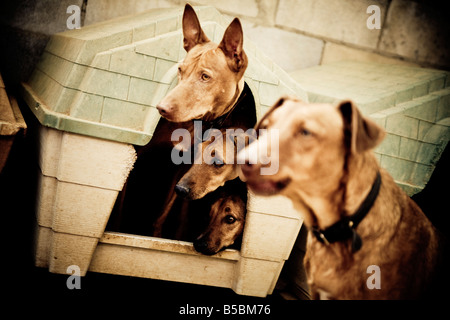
{"points": [[411, 104]]}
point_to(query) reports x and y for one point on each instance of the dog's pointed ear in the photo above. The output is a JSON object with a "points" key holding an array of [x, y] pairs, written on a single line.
{"points": [[232, 45], [277, 104], [361, 134], [192, 31]]}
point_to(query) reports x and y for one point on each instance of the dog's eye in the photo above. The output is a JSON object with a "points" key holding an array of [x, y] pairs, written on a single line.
{"points": [[305, 132], [205, 77], [230, 219], [218, 163]]}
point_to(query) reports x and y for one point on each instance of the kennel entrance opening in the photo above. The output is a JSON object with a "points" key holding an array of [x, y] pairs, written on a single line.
{"points": [[145, 194]]}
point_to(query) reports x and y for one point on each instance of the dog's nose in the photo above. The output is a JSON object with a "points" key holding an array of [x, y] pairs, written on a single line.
{"points": [[247, 167], [182, 191], [162, 109], [201, 245]]}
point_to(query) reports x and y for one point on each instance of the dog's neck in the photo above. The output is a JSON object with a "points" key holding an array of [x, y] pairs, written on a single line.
{"points": [[360, 179], [341, 196], [216, 121], [237, 94]]}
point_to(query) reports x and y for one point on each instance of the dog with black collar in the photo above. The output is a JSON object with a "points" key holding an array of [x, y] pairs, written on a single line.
{"points": [[357, 215]]}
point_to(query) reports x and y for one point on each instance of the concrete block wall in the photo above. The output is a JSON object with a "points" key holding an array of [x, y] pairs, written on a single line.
{"points": [[295, 34]]}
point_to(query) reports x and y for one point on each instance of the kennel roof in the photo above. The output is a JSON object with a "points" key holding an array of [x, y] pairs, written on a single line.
{"points": [[105, 80], [412, 104]]}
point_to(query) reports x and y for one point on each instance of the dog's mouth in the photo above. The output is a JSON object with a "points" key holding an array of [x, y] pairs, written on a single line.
{"points": [[268, 187]]}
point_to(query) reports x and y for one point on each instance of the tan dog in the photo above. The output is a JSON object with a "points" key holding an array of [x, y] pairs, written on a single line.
{"points": [[205, 177], [210, 79], [361, 221], [211, 75], [226, 218]]}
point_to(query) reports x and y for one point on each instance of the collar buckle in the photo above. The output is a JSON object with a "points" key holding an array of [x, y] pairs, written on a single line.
{"points": [[320, 236], [345, 228]]}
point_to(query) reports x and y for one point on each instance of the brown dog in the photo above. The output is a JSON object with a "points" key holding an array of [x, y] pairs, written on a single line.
{"points": [[211, 75], [210, 79], [226, 218], [205, 177], [361, 222]]}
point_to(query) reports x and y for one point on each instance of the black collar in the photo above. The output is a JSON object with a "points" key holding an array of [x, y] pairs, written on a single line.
{"points": [[218, 122], [345, 228]]}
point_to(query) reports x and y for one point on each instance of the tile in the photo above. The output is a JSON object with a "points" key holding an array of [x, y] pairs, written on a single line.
{"points": [[103, 43], [423, 108], [406, 171], [443, 108], [102, 60], [65, 72], [87, 106], [141, 91], [404, 93], [402, 125], [379, 119], [166, 25], [165, 47], [390, 145], [162, 68], [421, 89], [114, 111], [127, 61], [105, 83], [433, 133], [417, 151], [49, 92], [268, 93], [144, 32], [259, 72]]}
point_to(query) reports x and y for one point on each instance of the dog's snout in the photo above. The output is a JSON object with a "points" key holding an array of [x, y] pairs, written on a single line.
{"points": [[201, 245], [162, 109], [247, 167], [181, 191]]}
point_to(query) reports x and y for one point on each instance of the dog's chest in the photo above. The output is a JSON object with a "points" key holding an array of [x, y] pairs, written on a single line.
{"points": [[330, 274]]}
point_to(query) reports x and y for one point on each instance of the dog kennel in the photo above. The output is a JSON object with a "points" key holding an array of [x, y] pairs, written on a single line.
{"points": [[11, 122], [94, 94], [412, 104]]}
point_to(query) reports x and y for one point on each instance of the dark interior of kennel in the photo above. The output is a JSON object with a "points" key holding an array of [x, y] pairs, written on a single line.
{"points": [[148, 184]]}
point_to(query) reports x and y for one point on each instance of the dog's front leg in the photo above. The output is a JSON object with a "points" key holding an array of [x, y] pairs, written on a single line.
{"points": [[158, 225]]}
